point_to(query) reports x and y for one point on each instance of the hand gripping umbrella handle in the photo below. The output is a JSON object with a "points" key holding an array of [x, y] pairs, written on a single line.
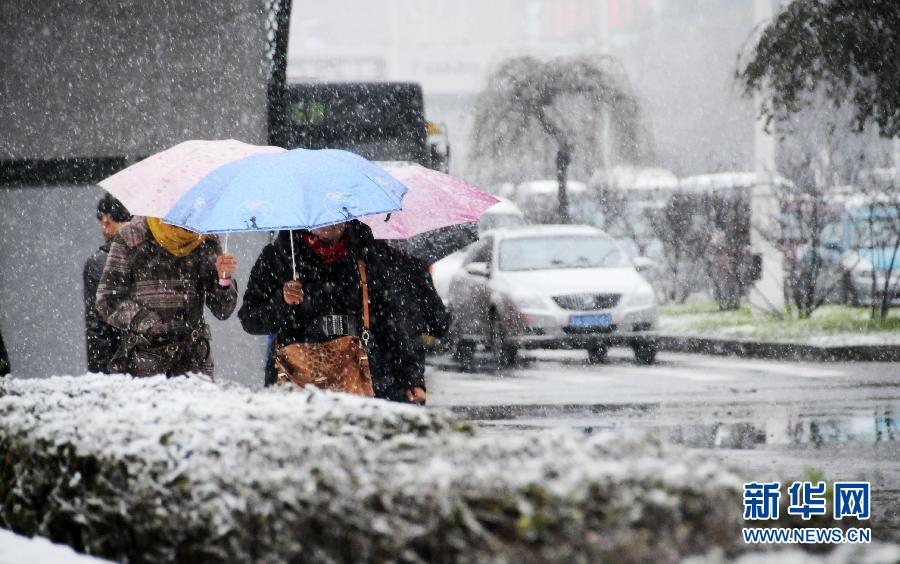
{"points": [[223, 281]]}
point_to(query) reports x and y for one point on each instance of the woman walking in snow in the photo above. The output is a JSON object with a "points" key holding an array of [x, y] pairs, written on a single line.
{"points": [[155, 284]]}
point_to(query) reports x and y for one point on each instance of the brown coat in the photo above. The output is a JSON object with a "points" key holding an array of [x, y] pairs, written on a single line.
{"points": [[148, 292]]}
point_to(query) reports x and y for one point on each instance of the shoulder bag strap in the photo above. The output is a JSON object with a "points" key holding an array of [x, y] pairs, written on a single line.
{"points": [[365, 293], [365, 302]]}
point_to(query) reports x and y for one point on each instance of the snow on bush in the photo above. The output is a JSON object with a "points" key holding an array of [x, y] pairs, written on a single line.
{"points": [[189, 470], [15, 549]]}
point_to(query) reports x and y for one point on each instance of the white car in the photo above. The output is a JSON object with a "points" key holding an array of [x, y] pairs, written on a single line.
{"points": [[550, 286]]}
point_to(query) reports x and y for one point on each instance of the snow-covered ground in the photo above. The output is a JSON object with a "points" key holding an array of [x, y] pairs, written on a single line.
{"points": [[749, 332], [830, 326]]}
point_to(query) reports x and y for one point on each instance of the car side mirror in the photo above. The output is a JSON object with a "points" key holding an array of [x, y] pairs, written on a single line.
{"points": [[478, 269], [642, 264]]}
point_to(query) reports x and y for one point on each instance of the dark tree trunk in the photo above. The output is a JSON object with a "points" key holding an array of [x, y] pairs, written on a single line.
{"points": [[888, 289], [563, 157]]}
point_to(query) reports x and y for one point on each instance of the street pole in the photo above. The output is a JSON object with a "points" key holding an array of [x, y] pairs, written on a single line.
{"points": [[277, 98], [767, 294], [563, 158]]}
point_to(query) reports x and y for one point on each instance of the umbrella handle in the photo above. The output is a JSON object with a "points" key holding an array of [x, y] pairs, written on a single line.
{"points": [[293, 260], [224, 251]]}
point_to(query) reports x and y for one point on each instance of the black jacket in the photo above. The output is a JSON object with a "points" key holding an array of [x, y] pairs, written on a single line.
{"points": [[102, 338], [424, 309], [334, 289]]}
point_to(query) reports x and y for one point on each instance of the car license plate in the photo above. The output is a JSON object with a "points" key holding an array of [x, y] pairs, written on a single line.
{"points": [[590, 320]]}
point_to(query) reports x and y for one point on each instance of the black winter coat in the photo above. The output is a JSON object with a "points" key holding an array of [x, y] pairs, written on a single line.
{"points": [[334, 290], [102, 339], [424, 309]]}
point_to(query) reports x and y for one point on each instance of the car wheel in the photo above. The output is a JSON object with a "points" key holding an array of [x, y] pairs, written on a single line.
{"points": [[504, 353], [645, 351], [597, 353]]}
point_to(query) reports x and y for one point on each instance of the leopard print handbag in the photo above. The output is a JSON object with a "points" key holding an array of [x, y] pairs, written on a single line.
{"points": [[340, 365]]}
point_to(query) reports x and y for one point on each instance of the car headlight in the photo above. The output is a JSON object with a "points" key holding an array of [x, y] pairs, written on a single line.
{"points": [[527, 301]]}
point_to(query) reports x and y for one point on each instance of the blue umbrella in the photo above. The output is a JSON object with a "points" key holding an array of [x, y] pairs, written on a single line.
{"points": [[297, 189]]}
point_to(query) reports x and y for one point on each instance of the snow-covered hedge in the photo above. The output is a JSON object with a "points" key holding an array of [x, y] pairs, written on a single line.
{"points": [[22, 550], [189, 470]]}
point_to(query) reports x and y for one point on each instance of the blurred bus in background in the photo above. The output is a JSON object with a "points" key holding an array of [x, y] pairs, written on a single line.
{"points": [[382, 121]]}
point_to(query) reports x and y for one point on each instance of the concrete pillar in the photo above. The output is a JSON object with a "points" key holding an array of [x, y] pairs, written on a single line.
{"points": [[110, 79], [767, 295]]}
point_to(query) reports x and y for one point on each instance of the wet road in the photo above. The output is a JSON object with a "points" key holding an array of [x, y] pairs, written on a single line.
{"points": [[772, 420]]}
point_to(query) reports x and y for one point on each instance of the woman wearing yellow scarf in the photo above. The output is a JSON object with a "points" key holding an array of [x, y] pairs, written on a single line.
{"points": [[156, 282], [176, 240]]}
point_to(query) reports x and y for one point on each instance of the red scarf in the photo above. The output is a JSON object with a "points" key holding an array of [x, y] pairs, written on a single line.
{"points": [[329, 254]]}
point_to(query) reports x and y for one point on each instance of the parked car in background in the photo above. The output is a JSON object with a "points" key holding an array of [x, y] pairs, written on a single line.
{"points": [[629, 198], [550, 286], [502, 214], [539, 201], [861, 246]]}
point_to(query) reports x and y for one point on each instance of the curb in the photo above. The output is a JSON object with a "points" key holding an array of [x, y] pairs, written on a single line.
{"points": [[774, 350]]}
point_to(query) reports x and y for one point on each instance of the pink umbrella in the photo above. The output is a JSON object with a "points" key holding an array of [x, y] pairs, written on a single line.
{"points": [[434, 200], [152, 186]]}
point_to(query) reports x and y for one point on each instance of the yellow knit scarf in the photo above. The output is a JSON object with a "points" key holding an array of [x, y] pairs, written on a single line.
{"points": [[176, 240]]}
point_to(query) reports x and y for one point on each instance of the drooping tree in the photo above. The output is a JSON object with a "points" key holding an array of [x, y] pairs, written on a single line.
{"points": [[532, 110], [850, 49]]}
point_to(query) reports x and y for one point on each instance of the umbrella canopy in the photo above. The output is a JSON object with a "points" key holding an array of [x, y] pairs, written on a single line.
{"points": [[297, 189], [435, 200], [152, 186]]}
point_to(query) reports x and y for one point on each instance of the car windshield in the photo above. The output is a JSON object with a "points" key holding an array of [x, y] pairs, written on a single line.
{"points": [[546, 253], [873, 232]]}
